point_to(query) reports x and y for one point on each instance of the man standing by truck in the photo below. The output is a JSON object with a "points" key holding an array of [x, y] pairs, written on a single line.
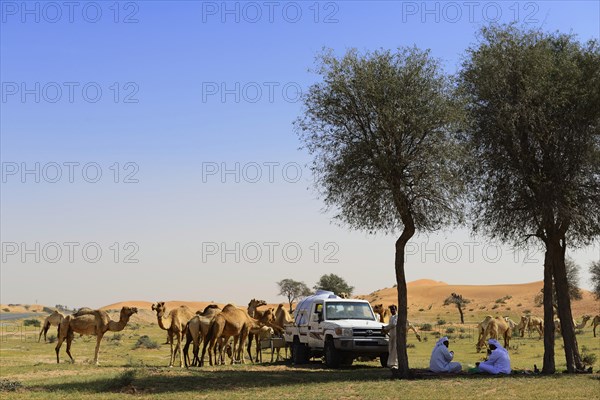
{"points": [[391, 329]]}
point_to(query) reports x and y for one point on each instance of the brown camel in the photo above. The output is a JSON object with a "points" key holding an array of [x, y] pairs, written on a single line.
{"points": [[595, 323], [231, 322], [53, 319], [282, 316], [532, 323], [267, 319], [493, 328], [252, 308], [96, 323], [174, 323], [196, 331], [385, 315], [581, 325]]}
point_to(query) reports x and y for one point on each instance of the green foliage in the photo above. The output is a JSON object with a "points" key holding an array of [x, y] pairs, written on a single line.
{"points": [[450, 330], [587, 357], [334, 283], [378, 127], [51, 338], [32, 322], [533, 134], [426, 327], [441, 322], [293, 290]]}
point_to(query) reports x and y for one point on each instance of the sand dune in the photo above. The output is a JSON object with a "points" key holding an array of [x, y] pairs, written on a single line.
{"points": [[425, 300]]}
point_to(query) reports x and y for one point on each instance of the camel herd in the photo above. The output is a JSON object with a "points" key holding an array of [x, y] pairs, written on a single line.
{"points": [[214, 327], [503, 327]]}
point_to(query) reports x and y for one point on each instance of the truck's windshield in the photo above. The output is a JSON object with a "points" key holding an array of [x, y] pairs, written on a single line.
{"points": [[348, 310]]}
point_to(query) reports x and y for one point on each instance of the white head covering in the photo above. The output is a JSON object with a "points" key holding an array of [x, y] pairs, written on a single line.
{"points": [[441, 341], [497, 344]]}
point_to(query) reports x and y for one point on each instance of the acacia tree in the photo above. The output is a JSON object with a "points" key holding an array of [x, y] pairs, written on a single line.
{"points": [[459, 301], [534, 135], [293, 290], [595, 278], [335, 284], [378, 128]]}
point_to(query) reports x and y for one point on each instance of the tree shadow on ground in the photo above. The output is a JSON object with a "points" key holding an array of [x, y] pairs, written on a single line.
{"points": [[162, 380]]}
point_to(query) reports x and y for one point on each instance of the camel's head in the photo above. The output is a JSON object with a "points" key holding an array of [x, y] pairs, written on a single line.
{"points": [[257, 303], [159, 307], [524, 318], [586, 317], [270, 314], [378, 308], [129, 311]]}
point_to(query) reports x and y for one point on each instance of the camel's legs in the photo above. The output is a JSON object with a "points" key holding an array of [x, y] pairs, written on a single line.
{"points": [[98, 341], [69, 341], [44, 331], [57, 348], [179, 349], [172, 355]]}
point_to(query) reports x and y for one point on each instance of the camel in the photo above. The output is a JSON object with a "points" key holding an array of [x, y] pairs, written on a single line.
{"points": [[175, 324], [493, 328], [83, 311], [531, 323], [231, 322], [96, 323], [263, 333], [267, 319], [512, 325], [53, 319], [584, 320], [384, 317], [282, 316], [252, 308], [595, 323], [196, 331]]}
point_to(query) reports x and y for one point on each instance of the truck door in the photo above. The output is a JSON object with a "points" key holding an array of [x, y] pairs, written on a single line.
{"points": [[315, 336]]}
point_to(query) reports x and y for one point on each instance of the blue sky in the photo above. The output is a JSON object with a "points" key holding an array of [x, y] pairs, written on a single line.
{"points": [[174, 130]]}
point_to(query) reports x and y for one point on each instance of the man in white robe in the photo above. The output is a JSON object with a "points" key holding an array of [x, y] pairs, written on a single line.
{"points": [[498, 361], [441, 358], [391, 328]]}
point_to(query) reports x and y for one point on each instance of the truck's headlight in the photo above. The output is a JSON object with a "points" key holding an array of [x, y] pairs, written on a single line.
{"points": [[343, 331]]}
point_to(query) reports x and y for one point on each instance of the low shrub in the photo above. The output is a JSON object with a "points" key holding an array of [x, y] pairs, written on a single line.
{"points": [[426, 327], [32, 322], [145, 342]]}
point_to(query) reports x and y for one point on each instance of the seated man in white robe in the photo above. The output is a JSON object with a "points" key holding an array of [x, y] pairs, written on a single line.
{"points": [[441, 358], [498, 361]]}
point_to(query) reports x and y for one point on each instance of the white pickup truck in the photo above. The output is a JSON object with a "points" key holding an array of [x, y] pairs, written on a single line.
{"points": [[340, 329]]}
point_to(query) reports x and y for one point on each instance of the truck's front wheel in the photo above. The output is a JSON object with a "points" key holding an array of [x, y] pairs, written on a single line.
{"points": [[332, 355]]}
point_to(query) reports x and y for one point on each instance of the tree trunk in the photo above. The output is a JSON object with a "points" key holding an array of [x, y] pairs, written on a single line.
{"points": [[564, 306], [462, 317], [549, 366], [408, 232]]}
